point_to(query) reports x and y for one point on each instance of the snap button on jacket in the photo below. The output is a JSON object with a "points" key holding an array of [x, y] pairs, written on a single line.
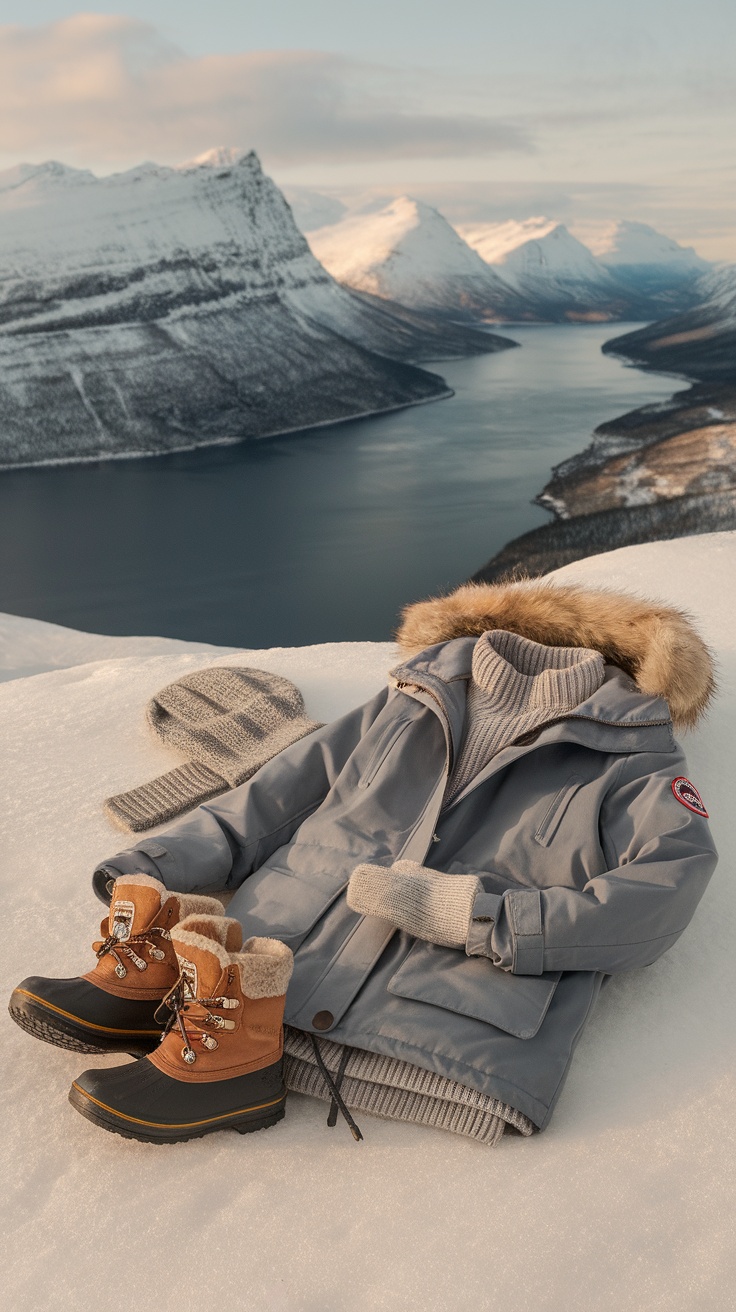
{"points": [[589, 862]]}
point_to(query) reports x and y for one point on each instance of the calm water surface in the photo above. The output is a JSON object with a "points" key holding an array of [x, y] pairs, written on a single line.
{"points": [[319, 536]]}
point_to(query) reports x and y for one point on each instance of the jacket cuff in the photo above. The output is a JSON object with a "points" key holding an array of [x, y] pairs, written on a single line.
{"points": [[132, 862], [518, 940], [486, 907]]}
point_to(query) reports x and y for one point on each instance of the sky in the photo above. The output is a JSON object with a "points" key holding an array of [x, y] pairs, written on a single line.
{"points": [[580, 110]]}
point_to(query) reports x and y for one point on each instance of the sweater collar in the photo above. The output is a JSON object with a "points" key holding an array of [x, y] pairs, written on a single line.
{"points": [[524, 676], [618, 717]]}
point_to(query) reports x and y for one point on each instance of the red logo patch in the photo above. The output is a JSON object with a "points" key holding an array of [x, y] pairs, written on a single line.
{"points": [[688, 794]]}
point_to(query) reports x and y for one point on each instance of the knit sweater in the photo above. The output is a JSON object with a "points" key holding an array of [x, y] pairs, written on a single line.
{"points": [[516, 687]]}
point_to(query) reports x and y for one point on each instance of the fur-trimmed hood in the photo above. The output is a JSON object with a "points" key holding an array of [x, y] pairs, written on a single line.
{"points": [[657, 645]]}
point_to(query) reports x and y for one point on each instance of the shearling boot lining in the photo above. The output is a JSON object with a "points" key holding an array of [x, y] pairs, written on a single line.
{"points": [[265, 967], [197, 904], [142, 881], [189, 903], [265, 964], [222, 929], [185, 939]]}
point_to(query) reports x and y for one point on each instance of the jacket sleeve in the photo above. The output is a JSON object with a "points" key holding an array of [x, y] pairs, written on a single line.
{"points": [[661, 858], [216, 846]]}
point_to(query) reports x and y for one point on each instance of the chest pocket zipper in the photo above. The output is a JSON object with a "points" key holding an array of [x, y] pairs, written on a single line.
{"points": [[390, 736], [556, 810]]}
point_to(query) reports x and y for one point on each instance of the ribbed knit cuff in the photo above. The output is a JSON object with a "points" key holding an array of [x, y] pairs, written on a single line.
{"points": [[163, 798]]}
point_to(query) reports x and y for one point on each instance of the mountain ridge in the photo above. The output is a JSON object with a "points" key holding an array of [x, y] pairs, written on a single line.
{"points": [[516, 270], [163, 308]]}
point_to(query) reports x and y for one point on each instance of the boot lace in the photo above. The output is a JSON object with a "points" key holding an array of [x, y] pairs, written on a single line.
{"points": [[115, 947], [200, 1017]]}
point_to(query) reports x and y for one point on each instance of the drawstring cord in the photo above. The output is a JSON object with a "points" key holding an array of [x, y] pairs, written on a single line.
{"points": [[344, 1059], [334, 1088]]}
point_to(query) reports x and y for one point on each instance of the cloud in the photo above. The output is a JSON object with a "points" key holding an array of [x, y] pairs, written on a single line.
{"points": [[95, 88]]}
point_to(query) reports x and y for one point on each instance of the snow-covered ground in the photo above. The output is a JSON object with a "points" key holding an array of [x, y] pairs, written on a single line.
{"points": [[626, 1202]]}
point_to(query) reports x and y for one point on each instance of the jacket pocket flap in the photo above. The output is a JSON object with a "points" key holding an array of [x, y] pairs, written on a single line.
{"points": [[473, 986]]}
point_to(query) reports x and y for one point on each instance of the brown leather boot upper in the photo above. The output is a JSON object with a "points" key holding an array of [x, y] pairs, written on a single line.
{"points": [[228, 1005], [135, 956]]}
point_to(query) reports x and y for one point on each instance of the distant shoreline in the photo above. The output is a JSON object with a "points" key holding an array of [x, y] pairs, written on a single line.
{"points": [[51, 462], [614, 467]]}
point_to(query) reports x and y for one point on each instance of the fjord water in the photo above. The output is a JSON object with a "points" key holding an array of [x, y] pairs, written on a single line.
{"points": [[317, 536]]}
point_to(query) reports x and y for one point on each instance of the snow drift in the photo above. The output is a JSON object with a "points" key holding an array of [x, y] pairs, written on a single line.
{"points": [[625, 1203]]}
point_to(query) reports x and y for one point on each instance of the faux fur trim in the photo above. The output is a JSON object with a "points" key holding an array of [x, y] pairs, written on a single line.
{"points": [[141, 881], [186, 939], [265, 967], [657, 645]]}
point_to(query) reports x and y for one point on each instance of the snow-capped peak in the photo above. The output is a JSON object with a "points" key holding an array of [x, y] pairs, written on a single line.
{"points": [[406, 235], [552, 254], [217, 157], [629, 243], [50, 173], [493, 241]]}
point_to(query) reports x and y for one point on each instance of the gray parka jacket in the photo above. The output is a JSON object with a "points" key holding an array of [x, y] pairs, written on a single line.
{"points": [[590, 860]]}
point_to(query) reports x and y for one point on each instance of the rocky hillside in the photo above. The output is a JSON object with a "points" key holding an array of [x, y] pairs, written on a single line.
{"points": [[662, 471], [162, 308], [700, 343]]}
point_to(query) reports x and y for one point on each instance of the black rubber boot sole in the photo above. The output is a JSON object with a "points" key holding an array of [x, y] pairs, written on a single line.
{"points": [[245, 1120], [62, 1029]]}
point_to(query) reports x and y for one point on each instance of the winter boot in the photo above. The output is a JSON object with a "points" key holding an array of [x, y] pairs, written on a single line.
{"points": [[112, 1007], [219, 1065]]}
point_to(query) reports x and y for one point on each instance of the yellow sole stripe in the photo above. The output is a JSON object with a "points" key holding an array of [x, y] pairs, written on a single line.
{"points": [[184, 1125], [88, 1024]]}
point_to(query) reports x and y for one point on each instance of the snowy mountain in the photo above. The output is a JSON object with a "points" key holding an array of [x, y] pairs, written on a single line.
{"points": [[164, 308], [407, 252], [628, 269], [549, 268], [494, 241], [700, 343], [645, 259], [519, 270]]}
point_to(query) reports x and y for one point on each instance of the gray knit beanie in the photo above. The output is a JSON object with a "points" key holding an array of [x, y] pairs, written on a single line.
{"points": [[228, 721]]}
